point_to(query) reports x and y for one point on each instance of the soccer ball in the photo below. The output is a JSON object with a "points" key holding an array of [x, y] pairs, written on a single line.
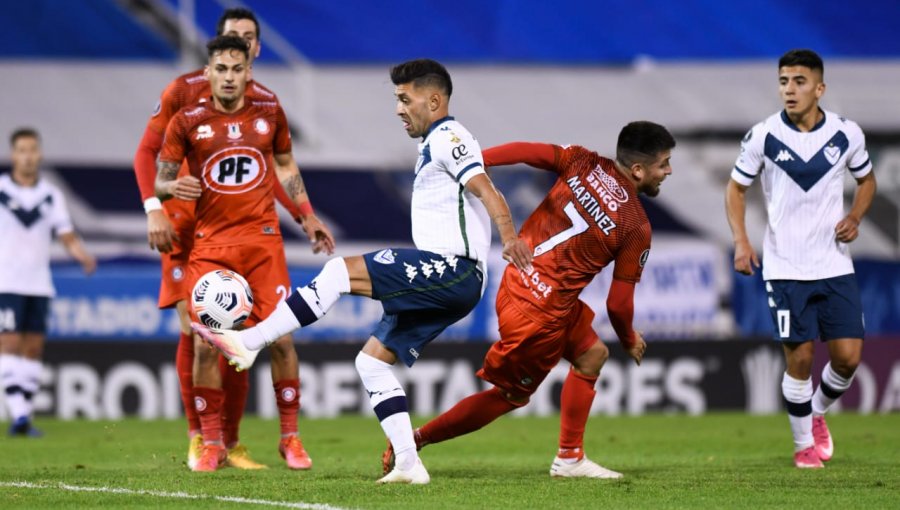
{"points": [[222, 299]]}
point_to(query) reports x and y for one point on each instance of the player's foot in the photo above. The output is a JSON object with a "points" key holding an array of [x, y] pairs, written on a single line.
{"points": [[387, 457], [195, 450], [22, 427], [824, 445], [584, 468], [212, 458], [292, 451], [239, 457], [808, 459], [229, 343], [416, 475]]}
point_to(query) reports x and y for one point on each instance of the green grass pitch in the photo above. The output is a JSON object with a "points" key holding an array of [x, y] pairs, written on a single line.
{"points": [[711, 461]]}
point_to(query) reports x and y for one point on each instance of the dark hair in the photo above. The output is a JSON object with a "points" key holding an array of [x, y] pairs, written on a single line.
{"points": [[237, 13], [23, 132], [227, 42], [803, 57], [423, 72], [641, 141]]}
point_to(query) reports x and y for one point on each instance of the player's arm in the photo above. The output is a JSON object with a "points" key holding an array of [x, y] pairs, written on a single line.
{"points": [[629, 266], [620, 308], [847, 230], [515, 250], [175, 148], [292, 183], [76, 249], [745, 258], [538, 155], [745, 170], [160, 232]]}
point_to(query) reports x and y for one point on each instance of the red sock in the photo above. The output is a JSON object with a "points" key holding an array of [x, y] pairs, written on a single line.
{"points": [[575, 405], [236, 385], [184, 366], [208, 402], [468, 415], [287, 396]]}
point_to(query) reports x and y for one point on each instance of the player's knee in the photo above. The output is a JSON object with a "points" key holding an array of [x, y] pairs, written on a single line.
{"points": [[515, 399], [282, 349], [592, 360], [847, 366]]}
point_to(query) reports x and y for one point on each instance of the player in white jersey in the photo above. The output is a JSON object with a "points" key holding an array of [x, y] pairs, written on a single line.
{"points": [[422, 290], [802, 155], [31, 211]]}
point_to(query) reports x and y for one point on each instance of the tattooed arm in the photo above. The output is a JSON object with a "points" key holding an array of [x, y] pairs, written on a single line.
{"points": [[167, 186], [289, 175]]}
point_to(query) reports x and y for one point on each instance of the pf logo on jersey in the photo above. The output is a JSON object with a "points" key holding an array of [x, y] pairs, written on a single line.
{"points": [[234, 170]]}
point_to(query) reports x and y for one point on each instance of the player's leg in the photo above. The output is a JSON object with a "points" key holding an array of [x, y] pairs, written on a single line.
{"points": [[27, 349], [286, 384], [12, 315], [339, 276], [32, 368], [841, 323], [588, 355], [422, 294], [793, 305], [207, 379]]}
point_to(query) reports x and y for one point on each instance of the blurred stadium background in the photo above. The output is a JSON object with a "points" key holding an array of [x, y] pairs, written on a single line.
{"points": [[87, 75]]}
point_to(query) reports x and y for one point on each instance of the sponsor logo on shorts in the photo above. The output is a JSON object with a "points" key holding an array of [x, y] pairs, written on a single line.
{"points": [[177, 273], [288, 394], [526, 381], [384, 257], [644, 256], [157, 108], [414, 353], [200, 404]]}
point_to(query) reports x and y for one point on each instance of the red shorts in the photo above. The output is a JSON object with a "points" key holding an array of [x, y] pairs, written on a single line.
{"points": [[528, 351], [261, 263], [173, 285]]}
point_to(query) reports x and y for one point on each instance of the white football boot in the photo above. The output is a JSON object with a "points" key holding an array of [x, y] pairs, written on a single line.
{"points": [[229, 343], [416, 475], [584, 468]]}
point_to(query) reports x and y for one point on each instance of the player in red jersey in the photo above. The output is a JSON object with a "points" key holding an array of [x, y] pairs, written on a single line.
{"points": [[170, 229], [232, 145], [591, 217]]}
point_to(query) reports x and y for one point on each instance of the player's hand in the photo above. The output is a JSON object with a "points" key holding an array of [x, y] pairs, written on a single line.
{"points": [[636, 351], [318, 234], [160, 232], [847, 229], [517, 252], [88, 264], [745, 258], [185, 188]]}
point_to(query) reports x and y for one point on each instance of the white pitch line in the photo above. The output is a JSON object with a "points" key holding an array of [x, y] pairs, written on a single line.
{"points": [[173, 495]]}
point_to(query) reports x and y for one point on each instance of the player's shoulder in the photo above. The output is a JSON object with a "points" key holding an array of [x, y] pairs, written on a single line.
{"points": [[187, 82], [449, 133], [258, 91], [845, 124], [579, 151], [192, 114]]}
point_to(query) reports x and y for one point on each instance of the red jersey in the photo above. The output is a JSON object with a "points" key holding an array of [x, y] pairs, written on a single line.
{"points": [[592, 216], [187, 89], [232, 156]]}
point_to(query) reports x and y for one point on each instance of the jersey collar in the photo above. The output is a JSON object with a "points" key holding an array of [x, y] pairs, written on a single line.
{"points": [[789, 123], [436, 124]]}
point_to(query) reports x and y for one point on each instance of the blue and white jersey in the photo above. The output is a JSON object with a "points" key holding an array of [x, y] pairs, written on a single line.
{"points": [[802, 177], [29, 217], [447, 219]]}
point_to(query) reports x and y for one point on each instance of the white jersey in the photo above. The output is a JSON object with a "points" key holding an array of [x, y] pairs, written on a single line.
{"points": [[447, 219], [29, 217], [802, 177]]}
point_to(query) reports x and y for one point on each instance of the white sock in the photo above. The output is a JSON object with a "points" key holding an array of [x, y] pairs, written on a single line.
{"points": [[302, 308], [12, 373], [32, 370], [797, 396], [281, 322], [831, 388], [389, 402]]}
